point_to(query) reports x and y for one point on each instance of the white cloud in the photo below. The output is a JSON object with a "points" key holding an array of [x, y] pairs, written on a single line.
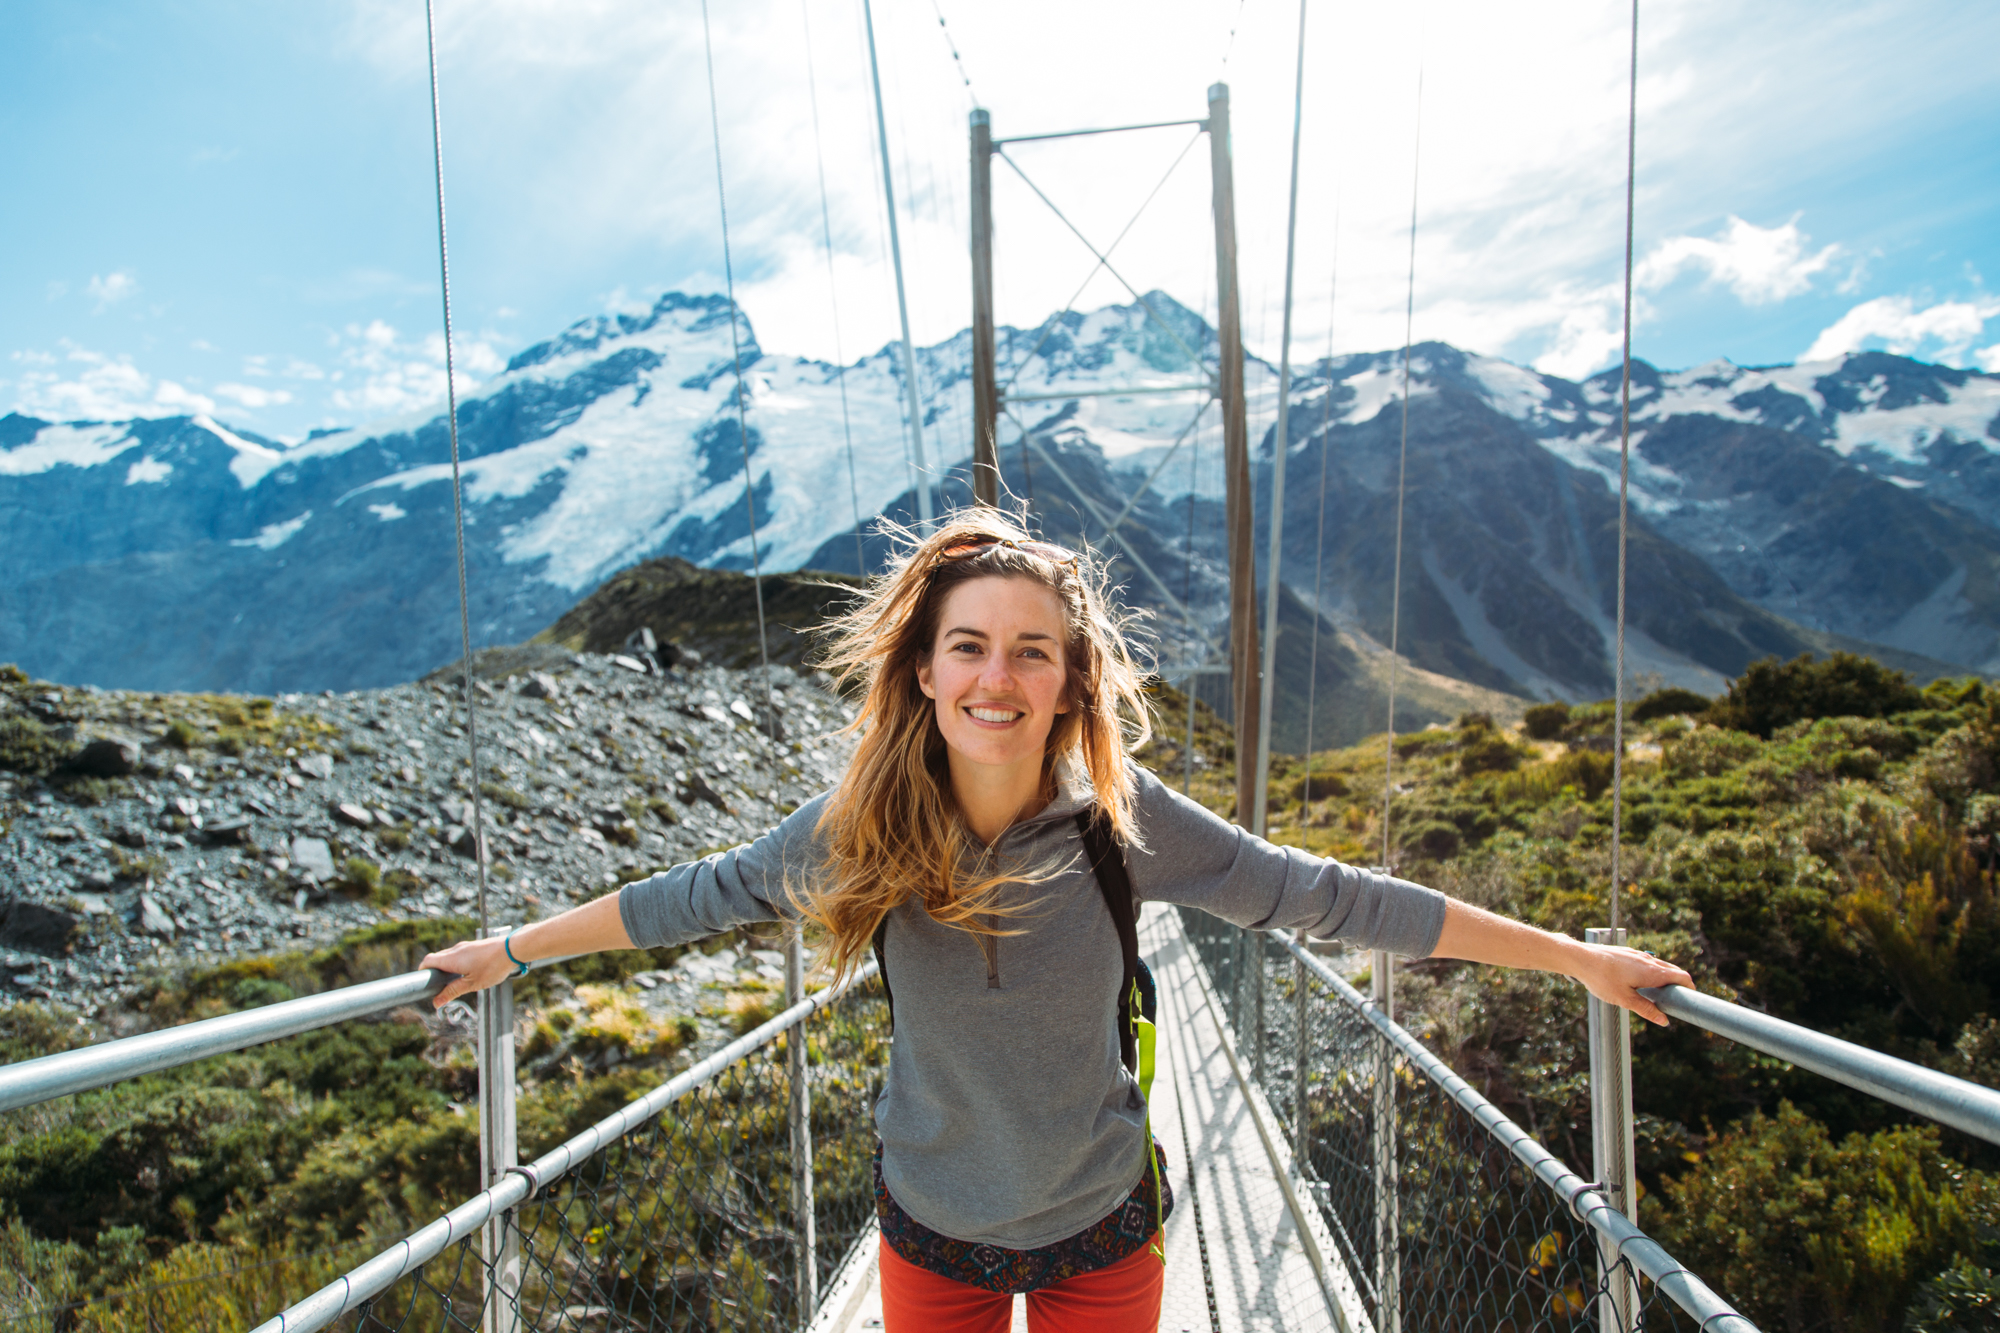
{"points": [[109, 289], [250, 396], [98, 388], [1944, 332], [1759, 264], [382, 374]]}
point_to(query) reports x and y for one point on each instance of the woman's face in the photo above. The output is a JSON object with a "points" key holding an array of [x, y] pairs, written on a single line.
{"points": [[997, 671]]}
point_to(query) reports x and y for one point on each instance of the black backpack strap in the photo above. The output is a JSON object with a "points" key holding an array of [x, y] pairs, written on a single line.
{"points": [[882, 967], [1107, 863]]}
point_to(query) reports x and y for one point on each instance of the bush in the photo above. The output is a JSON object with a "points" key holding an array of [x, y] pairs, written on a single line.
{"points": [[1488, 752], [181, 736], [29, 748], [1802, 1232], [1672, 701], [504, 795], [1544, 722], [1770, 695]]}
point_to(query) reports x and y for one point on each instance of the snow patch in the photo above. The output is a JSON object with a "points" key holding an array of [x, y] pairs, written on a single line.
{"points": [[148, 470], [273, 535], [81, 445], [252, 461], [390, 512]]}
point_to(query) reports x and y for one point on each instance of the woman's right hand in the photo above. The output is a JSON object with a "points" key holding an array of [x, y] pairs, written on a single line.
{"points": [[478, 963]]}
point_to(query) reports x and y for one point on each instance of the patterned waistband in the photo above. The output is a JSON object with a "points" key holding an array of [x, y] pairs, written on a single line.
{"points": [[1119, 1234]]}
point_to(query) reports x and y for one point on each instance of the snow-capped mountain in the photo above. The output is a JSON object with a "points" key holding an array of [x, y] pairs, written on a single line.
{"points": [[1776, 507]]}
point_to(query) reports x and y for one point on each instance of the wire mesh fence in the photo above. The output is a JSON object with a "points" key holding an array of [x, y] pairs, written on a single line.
{"points": [[1440, 1224], [686, 1223]]}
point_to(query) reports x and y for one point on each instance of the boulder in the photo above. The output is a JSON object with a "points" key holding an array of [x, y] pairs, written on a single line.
{"points": [[129, 835], [357, 815], [312, 858], [107, 757], [540, 685], [155, 919], [315, 765], [36, 928]]}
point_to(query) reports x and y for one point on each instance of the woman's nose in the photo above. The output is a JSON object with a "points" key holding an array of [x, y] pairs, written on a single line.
{"points": [[998, 673]]}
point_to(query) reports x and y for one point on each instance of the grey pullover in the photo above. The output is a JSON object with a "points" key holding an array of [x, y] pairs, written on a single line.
{"points": [[1008, 1118]]}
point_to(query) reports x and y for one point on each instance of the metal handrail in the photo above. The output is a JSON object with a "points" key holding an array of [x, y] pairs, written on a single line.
{"points": [[65, 1073], [1586, 1201], [1963, 1105], [521, 1183]]}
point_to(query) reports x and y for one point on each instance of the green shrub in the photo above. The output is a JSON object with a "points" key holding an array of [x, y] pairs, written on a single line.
{"points": [[361, 876], [1803, 1232], [1669, 702], [1488, 752], [181, 736], [1771, 695], [1544, 722], [29, 748]]}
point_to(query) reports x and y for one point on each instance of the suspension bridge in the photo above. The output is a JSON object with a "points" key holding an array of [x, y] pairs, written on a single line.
{"points": [[1329, 1170]]}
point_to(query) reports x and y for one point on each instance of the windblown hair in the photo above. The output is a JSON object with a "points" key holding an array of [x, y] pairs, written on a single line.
{"points": [[892, 829]]}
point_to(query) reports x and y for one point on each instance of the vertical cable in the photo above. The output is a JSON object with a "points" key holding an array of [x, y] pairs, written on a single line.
{"points": [[457, 488], [1402, 471], [1260, 803], [1319, 542], [742, 421], [1624, 477], [833, 290]]}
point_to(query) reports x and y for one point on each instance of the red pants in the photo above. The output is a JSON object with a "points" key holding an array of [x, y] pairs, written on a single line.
{"points": [[1124, 1298]]}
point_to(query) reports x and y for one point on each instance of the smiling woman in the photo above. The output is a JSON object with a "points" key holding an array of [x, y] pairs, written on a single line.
{"points": [[976, 844]]}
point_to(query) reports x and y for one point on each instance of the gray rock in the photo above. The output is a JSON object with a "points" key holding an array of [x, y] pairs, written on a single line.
{"points": [[312, 858], [155, 919], [540, 685], [109, 757], [233, 831], [315, 765], [357, 815], [37, 927]]}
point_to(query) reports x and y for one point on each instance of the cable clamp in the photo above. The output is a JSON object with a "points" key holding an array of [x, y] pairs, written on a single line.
{"points": [[534, 1181]]}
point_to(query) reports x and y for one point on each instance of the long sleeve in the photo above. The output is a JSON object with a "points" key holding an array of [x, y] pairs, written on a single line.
{"points": [[1195, 858], [738, 887]]}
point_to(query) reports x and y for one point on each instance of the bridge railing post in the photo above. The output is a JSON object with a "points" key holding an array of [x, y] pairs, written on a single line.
{"points": [[805, 1239], [1388, 1206], [1612, 1141], [499, 1149]]}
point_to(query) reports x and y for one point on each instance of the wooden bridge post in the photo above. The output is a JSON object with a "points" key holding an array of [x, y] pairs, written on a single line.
{"points": [[1246, 675], [985, 378]]}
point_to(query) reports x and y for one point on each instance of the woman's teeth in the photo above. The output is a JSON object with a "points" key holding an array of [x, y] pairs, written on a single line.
{"points": [[993, 714]]}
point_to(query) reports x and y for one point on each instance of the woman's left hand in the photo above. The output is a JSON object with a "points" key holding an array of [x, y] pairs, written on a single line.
{"points": [[1614, 974]]}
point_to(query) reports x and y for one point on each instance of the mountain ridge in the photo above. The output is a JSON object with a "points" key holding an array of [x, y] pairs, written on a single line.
{"points": [[1863, 494]]}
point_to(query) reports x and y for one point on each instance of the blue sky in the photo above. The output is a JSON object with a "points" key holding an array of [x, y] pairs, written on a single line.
{"points": [[226, 207]]}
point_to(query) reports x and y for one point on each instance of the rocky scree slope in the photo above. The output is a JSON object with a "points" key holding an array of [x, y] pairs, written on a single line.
{"points": [[146, 830]]}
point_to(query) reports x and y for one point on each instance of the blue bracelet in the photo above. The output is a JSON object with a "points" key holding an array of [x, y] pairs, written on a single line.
{"points": [[506, 942]]}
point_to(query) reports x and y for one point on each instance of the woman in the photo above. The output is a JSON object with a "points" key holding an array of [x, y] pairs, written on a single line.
{"points": [[1000, 701]]}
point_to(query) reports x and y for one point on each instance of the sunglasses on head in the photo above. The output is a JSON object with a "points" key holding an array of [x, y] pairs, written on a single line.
{"points": [[1049, 551]]}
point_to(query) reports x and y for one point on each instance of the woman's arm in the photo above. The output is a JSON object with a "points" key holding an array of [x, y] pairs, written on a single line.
{"points": [[591, 928], [1611, 972]]}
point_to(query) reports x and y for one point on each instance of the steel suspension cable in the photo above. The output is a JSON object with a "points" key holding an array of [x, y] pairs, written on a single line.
{"points": [[1050, 324], [770, 719], [833, 291], [1319, 541], [1624, 480], [1402, 473], [1281, 450], [457, 486]]}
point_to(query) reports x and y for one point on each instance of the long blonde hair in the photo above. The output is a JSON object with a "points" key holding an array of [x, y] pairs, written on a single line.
{"points": [[891, 827]]}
